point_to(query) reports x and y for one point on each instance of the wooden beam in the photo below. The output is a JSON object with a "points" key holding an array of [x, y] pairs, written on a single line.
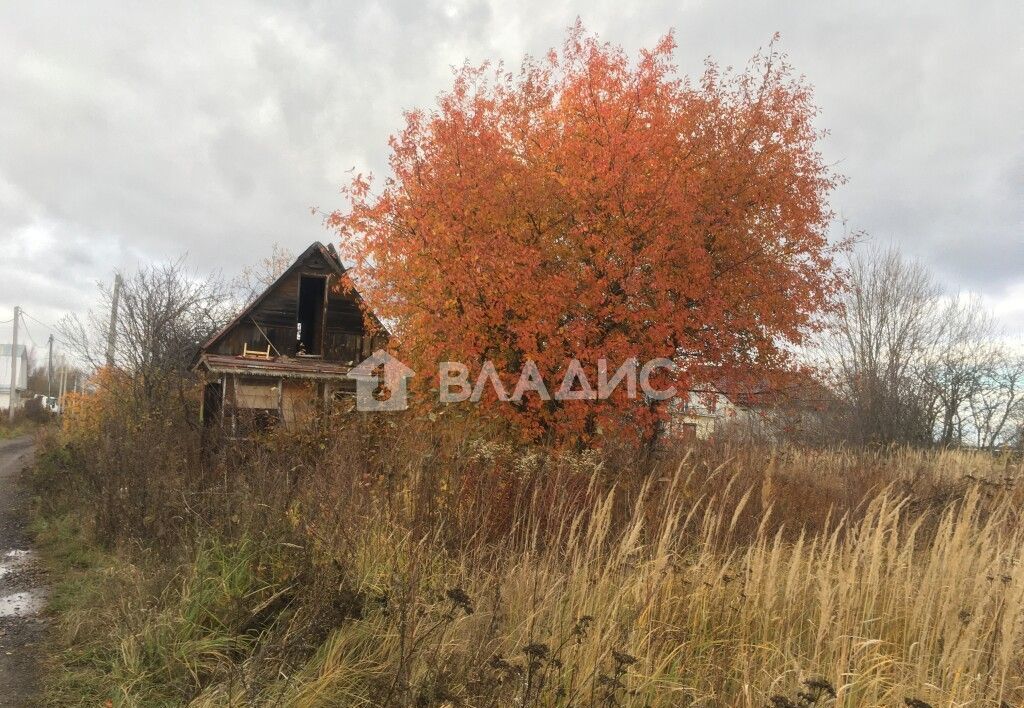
{"points": [[234, 405], [323, 316]]}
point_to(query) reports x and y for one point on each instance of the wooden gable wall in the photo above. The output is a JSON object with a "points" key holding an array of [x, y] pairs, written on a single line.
{"points": [[276, 315]]}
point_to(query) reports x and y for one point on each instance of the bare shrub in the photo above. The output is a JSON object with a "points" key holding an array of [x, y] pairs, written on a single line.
{"points": [[164, 312]]}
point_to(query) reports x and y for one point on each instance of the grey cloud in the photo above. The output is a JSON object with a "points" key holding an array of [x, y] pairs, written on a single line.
{"points": [[133, 131]]}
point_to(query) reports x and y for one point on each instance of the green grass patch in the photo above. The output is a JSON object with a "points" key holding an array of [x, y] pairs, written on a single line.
{"points": [[84, 581], [139, 633], [20, 427]]}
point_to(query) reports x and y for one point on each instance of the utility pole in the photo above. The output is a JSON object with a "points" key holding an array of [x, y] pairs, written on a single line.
{"points": [[63, 383], [14, 364], [49, 370], [112, 332]]}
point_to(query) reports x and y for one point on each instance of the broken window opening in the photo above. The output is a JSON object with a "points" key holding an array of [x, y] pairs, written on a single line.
{"points": [[309, 331]]}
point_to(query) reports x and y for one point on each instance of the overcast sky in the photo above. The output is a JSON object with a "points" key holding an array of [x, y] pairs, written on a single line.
{"points": [[134, 131]]}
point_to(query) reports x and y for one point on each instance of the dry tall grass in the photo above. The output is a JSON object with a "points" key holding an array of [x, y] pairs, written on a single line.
{"points": [[424, 564], [670, 609]]}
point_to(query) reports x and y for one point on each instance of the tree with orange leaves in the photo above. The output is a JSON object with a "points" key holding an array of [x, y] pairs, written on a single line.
{"points": [[594, 207]]}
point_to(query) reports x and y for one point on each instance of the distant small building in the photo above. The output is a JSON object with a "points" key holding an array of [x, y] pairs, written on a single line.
{"points": [[702, 413], [730, 409], [21, 385], [288, 350]]}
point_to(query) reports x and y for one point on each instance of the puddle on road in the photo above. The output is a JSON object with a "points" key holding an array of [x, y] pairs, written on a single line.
{"points": [[26, 602], [12, 559], [21, 604]]}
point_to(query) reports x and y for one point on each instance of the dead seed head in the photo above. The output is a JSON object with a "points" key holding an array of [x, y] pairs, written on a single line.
{"points": [[820, 686], [460, 599], [622, 658], [536, 650]]}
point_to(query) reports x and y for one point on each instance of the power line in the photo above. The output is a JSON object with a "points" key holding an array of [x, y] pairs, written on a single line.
{"points": [[53, 330], [38, 321], [29, 333]]}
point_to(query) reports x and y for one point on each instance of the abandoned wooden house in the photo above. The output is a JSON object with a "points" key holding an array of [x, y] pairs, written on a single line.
{"points": [[289, 351]]}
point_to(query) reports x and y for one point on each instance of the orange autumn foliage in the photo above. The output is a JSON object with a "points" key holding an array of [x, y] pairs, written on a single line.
{"points": [[592, 206], [83, 413]]}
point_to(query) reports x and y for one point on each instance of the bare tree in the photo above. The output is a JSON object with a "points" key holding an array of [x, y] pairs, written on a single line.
{"points": [[165, 311], [965, 356], [997, 408], [254, 279], [913, 365], [880, 346]]}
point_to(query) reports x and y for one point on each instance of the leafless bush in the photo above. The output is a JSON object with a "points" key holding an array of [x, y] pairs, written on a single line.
{"points": [[164, 311]]}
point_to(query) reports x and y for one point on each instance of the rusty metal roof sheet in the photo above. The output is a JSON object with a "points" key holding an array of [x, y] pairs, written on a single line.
{"points": [[279, 367]]}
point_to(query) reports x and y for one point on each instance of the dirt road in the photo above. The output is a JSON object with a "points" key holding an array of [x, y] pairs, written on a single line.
{"points": [[21, 581]]}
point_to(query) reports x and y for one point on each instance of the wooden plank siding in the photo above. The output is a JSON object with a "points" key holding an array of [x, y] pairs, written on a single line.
{"points": [[275, 319]]}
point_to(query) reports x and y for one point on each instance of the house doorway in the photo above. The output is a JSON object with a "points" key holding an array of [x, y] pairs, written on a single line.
{"points": [[213, 399]]}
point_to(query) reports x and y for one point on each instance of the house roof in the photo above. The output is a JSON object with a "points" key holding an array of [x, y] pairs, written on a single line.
{"points": [[5, 350], [279, 367], [331, 256]]}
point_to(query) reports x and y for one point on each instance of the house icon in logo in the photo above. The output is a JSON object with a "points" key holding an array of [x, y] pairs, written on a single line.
{"points": [[393, 377]]}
